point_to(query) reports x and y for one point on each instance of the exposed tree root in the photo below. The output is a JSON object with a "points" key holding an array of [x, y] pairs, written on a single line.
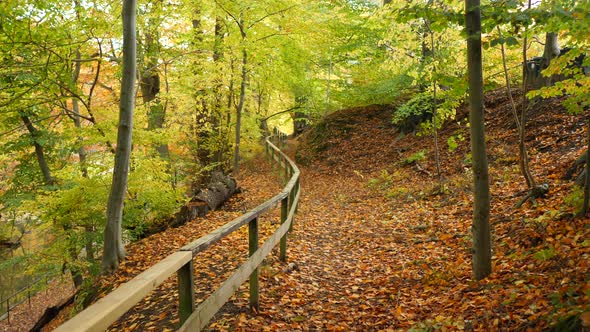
{"points": [[536, 192]]}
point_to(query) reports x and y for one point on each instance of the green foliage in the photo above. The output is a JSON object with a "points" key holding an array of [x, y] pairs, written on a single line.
{"points": [[419, 105], [454, 140], [575, 199], [545, 254], [418, 156], [384, 181], [151, 196]]}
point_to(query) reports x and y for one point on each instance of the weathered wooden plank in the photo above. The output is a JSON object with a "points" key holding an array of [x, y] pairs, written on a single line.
{"points": [[208, 240], [107, 310], [206, 310]]}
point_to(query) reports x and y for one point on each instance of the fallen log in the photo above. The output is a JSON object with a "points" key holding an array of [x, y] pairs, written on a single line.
{"points": [[219, 189]]}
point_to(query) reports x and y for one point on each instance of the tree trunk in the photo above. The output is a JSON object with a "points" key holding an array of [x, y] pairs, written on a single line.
{"points": [[434, 111], [523, 160], [550, 52], [482, 253], [150, 85], [587, 178], [39, 151], [507, 79], [239, 110], [76, 273], [218, 85], [114, 251]]}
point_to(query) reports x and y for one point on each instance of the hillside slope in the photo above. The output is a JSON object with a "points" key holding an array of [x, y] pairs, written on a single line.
{"points": [[381, 246]]}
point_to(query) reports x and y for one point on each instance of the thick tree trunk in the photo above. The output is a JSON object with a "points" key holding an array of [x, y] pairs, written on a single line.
{"points": [[150, 85], [114, 250], [482, 253], [239, 110], [39, 151], [550, 52]]}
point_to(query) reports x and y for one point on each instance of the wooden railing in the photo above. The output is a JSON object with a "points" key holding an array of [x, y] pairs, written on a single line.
{"points": [[107, 310]]}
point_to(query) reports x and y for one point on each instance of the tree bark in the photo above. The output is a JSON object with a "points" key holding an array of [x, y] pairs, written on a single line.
{"points": [[217, 109], [587, 178], [150, 85], [523, 160], [434, 112], [550, 52], [39, 151], [239, 110], [482, 254], [507, 79], [114, 251]]}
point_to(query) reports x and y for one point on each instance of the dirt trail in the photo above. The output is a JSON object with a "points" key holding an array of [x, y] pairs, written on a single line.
{"points": [[395, 255], [350, 252]]}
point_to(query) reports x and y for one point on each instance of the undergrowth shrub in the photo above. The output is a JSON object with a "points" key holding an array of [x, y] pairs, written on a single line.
{"points": [[415, 157], [413, 112]]}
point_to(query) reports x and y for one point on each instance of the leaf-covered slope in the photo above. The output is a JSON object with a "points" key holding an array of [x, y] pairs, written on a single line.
{"points": [[380, 246]]}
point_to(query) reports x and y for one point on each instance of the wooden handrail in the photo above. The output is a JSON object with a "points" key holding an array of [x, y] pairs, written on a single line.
{"points": [[107, 310], [100, 315]]}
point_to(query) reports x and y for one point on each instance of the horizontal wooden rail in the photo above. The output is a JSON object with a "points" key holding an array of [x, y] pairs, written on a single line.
{"points": [[206, 310], [107, 310], [99, 316], [208, 240]]}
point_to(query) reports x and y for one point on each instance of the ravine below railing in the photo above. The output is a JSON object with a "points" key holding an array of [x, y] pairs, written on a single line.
{"points": [[100, 315]]}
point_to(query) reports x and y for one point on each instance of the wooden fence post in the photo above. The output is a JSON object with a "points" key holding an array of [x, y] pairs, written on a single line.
{"points": [[284, 215], [291, 201], [297, 185], [252, 247], [186, 291]]}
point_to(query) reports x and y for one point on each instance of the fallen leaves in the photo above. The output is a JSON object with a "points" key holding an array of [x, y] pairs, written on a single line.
{"points": [[367, 260]]}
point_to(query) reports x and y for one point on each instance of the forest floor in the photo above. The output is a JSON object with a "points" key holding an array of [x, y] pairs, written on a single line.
{"points": [[380, 244]]}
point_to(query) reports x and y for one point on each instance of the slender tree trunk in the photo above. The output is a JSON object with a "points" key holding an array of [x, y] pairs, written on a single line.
{"points": [[76, 273], [523, 160], [39, 151], [218, 85], [114, 250], [328, 84], [482, 253], [76, 118], [507, 79], [434, 112], [202, 112], [587, 179], [239, 110]]}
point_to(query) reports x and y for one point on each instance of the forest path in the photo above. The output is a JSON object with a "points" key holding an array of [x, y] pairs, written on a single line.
{"points": [[350, 252]]}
